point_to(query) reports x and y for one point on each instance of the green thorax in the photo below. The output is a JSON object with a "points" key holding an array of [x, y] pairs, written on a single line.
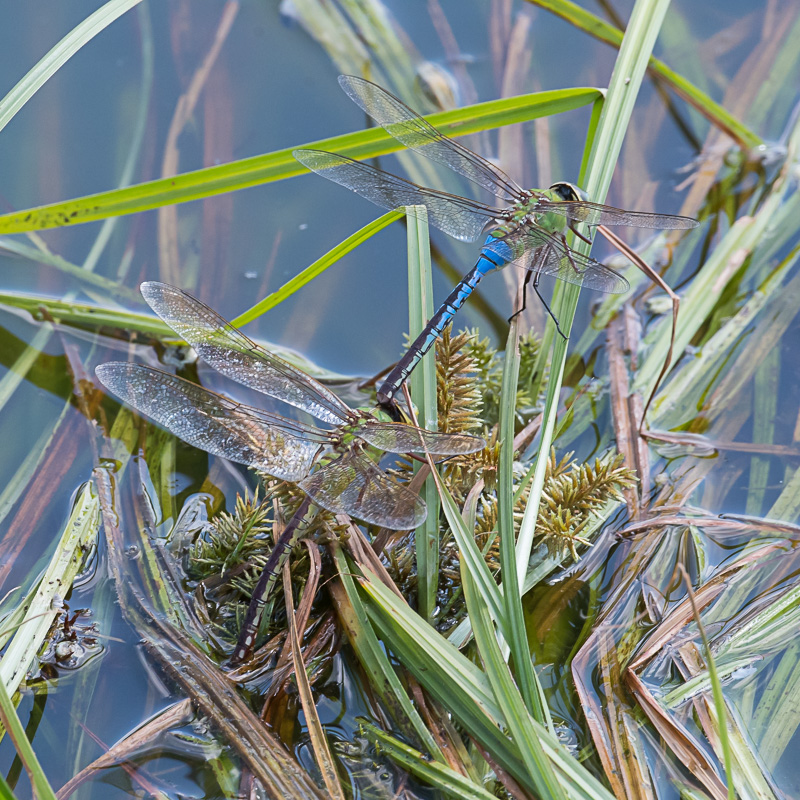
{"points": [[535, 208]]}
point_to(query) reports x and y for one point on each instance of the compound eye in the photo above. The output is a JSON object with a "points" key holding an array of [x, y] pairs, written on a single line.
{"points": [[568, 191]]}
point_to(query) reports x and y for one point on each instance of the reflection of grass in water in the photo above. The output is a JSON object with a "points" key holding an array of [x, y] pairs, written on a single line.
{"points": [[726, 386]]}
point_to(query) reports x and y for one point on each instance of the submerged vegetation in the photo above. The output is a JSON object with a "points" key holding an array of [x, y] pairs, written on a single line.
{"points": [[600, 603]]}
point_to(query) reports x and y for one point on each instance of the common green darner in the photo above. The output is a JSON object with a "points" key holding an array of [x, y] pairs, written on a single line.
{"points": [[348, 482], [529, 231]]}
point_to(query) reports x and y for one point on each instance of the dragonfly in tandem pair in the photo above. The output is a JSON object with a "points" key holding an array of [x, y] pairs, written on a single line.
{"points": [[334, 467], [529, 230]]}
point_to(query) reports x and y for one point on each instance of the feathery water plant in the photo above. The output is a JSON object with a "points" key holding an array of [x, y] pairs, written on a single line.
{"points": [[234, 544], [459, 399], [573, 494], [468, 378], [230, 553], [489, 376]]}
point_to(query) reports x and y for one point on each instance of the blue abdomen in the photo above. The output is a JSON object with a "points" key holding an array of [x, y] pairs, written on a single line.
{"points": [[495, 254]]}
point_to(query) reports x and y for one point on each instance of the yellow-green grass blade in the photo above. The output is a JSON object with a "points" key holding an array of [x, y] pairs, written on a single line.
{"points": [[11, 723], [281, 164], [516, 717], [5, 790], [78, 273], [78, 535], [90, 316], [422, 385], [439, 775], [318, 267], [471, 558], [373, 658], [698, 303], [515, 632]]}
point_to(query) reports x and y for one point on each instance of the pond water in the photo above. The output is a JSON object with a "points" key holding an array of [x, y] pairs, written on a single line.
{"points": [[270, 85]]}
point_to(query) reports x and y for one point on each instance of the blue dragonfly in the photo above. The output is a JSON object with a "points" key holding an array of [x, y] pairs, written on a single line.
{"points": [[528, 231], [335, 467]]}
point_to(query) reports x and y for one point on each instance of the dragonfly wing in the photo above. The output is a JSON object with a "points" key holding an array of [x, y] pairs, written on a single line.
{"points": [[396, 438], [213, 423], [537, 250], [236, 356], [597, 214], [409, 128], [459, 217], [355, 485]]}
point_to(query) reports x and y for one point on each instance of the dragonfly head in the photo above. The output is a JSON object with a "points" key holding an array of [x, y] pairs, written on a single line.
{"points": [[568, 191]]}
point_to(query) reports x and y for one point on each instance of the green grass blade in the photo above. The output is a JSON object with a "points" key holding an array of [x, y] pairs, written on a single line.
{"points": [[11, 722], [604, 149], [698, 302], [463, 689], [93, 317], [375, 662], [422, 384], [447, 780], [765, 409], [515, 711], [281, 164], [5, 790], [514, 631], [59, 55], [593, 25], [318, 267], [684, 390], [719, 701], [80, 274], [472, 560]]}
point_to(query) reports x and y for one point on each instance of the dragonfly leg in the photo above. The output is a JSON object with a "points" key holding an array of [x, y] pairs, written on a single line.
{"points": [[547, 307], [568, 254], [524, 296], [571, 226], [525, 283]]}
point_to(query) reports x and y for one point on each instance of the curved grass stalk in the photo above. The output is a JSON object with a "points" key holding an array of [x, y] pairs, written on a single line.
{"points": [[41, 72], [713, 111], [514, 631], [464, 689], [374, 660], [79, 533], [515, 711], [281, 164], [437, 774], [318, 267]]}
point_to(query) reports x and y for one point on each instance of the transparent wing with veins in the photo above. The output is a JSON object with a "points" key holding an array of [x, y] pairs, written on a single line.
{"points": [[538, 251], [597, 214], [269, 442], [351, 484], [395, 438], [234, 355], [458, 217], [355, 485], [409, 128]]}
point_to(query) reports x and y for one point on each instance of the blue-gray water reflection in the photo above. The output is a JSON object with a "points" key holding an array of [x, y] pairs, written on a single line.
{"points": [[272, 87]]}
